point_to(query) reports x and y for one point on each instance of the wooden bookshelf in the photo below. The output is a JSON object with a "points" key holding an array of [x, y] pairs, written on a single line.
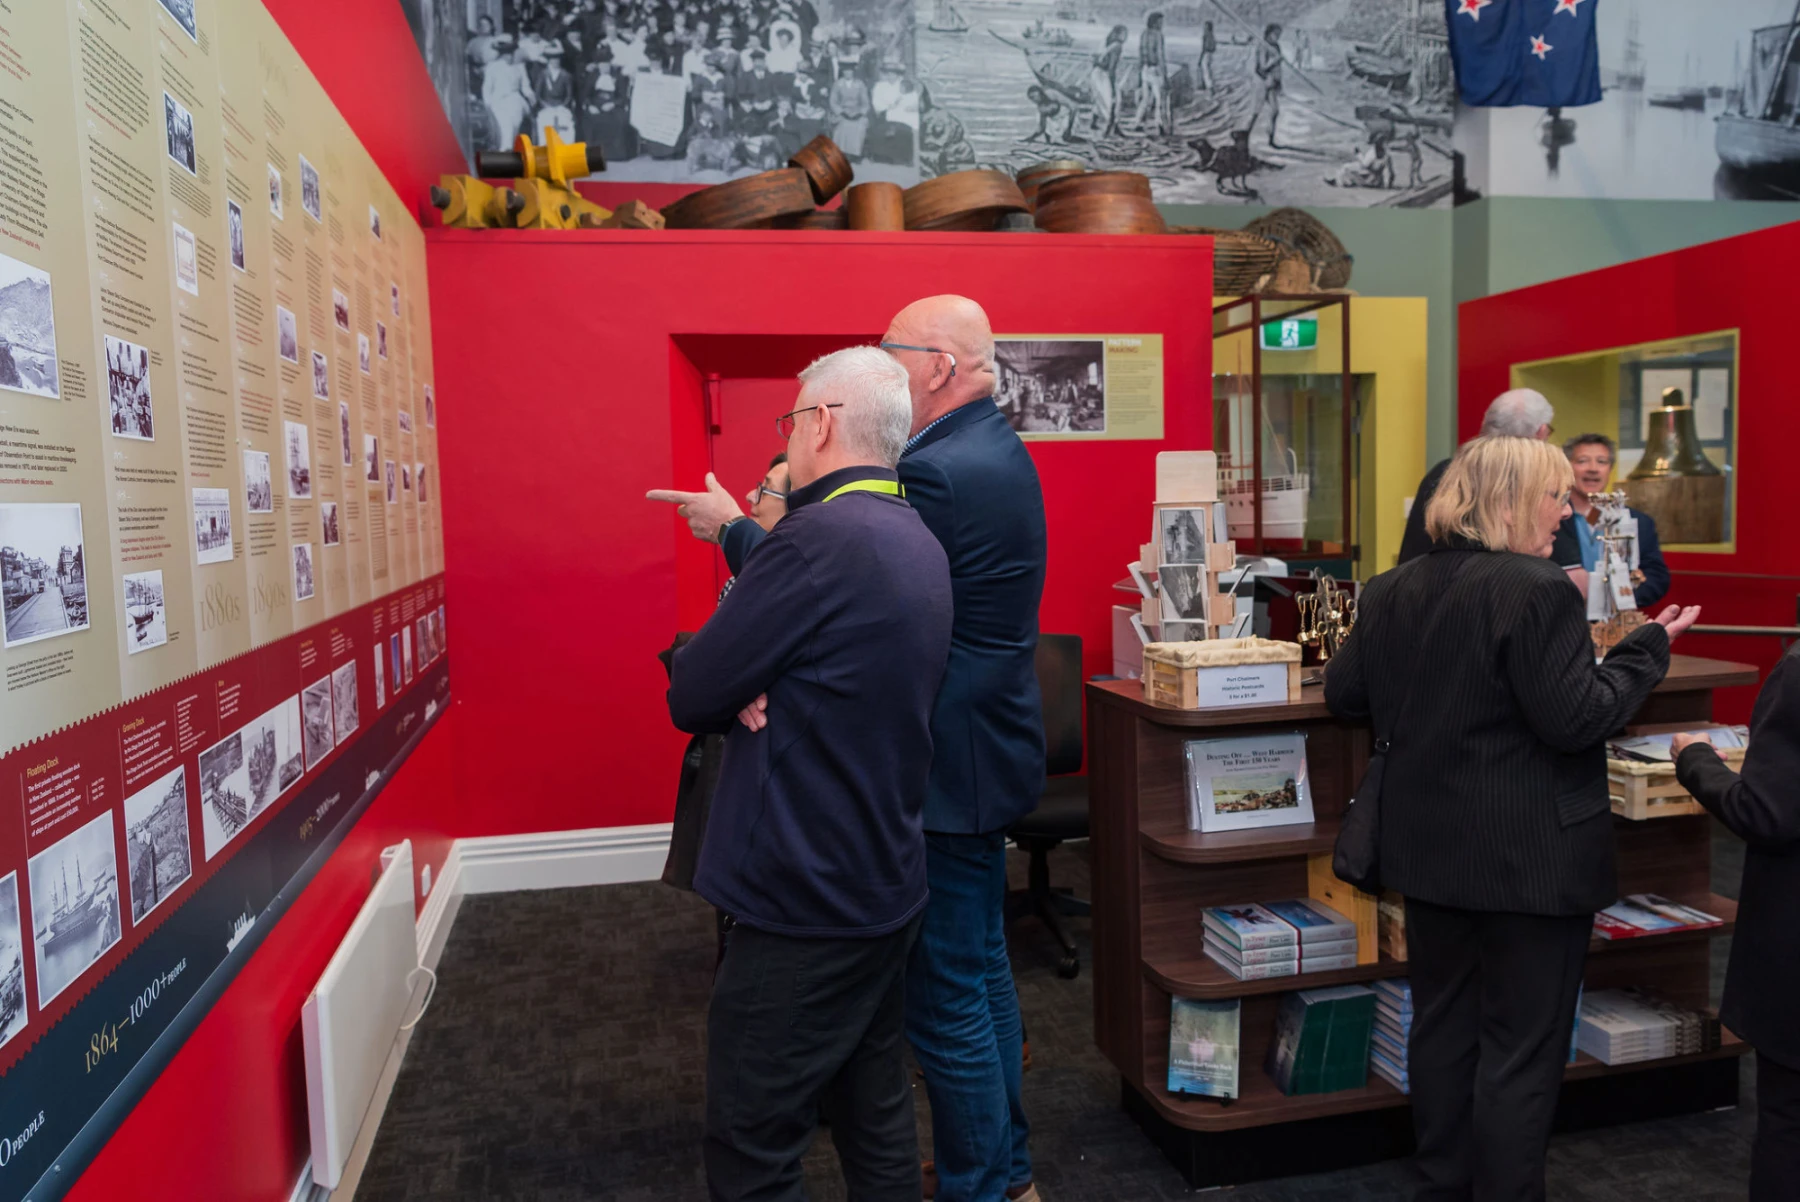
{"points": [[1153, 877]]}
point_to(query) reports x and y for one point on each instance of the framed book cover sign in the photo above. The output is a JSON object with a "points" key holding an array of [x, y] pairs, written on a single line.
{"points": [[1248, 782]]}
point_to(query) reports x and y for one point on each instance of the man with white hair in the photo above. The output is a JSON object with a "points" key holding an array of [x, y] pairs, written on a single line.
{"points": [[821, 667], [1517, 413]]}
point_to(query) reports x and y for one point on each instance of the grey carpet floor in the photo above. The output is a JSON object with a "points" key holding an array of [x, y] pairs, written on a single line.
{"points": [[562, 1059]]}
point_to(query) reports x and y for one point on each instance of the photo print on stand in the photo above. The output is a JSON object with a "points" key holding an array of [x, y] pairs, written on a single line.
{"points": [[234, 221], [27, 330], [1052, 385], [1183, 534], [259, 487], [299, 460], [362, 353], [328, 523], [309, 189], [128, 389], [344, 709], [288, 334], [315, 717], [12, 960], [321, 377], [344, 432], [158, 860], [43, 571], [224, 793], [187, 260], [303, 572], [212, 524], [1183, 589], [74, 905], [146, 612], [372, 459], [340, 310], [179, 127], [275, 193], [274, 759], [183, 12]]}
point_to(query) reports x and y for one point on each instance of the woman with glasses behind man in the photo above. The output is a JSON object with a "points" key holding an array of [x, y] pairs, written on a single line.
{"points": [[1476, 668]]}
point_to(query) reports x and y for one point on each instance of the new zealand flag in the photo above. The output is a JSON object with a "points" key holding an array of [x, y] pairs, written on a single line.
{"points": [[1542, 53]]}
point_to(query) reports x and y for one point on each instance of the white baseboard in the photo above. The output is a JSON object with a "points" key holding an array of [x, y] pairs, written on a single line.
{"points": [[441, 907], [562, 859]]}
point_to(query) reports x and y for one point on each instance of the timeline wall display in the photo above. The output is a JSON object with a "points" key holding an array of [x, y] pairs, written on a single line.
{"points": [[213, 353]]}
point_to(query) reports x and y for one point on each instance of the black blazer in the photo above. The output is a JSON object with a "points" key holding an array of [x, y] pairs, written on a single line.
{"points": [[1495, 795], [971, 479], [1415, 542], [1762, 806]]}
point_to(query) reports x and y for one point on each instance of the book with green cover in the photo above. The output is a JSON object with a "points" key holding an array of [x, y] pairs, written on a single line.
{"points": [[1321, 1039]]}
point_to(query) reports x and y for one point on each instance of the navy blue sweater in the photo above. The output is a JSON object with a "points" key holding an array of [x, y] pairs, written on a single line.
{"points": [[843, 618]]}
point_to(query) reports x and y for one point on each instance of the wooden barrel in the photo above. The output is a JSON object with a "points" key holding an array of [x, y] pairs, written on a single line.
{"points": [[827, 170], [962, 200], [743, 204], [1038, 174], [818, 219], [878, 206], [1093, 183], [1101, 213], [1240, 259]]}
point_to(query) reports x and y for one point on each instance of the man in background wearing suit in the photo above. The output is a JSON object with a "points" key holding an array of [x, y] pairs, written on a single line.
{"points": [[1518, 413], [974, 484], [1762, 807]]}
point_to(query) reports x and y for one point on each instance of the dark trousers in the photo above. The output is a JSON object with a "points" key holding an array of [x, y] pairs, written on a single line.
{"points": [[1493, 1007], [1775, 1160], [797, 1024]]}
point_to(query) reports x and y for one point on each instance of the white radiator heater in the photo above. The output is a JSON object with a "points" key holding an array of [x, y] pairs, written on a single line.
{"points": [[354, 1014]]}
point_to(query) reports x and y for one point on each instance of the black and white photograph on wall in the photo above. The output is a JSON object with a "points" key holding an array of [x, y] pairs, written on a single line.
{"points": [[441, 29], [1183, 535], [321, 376], [688, 90], [74, 905], [299, 460], [146, 612], [309, 190], [406, 653], [371, 459], [405, 420], [340, 310], [380, 679], [187, 260], [12, 959], [394, 297], [43, 571], [234, 222], [419, 471], [178, 125], [315, 718], [303, 572], [158, 859], [1051, 386], [328, 524], [392, 492], [274, 758], [27, 330], [287, 331], [128, 389], [275, 192], [362, 353], [1183, 589], [430, 408], [259, 486], [212, 524], [183, 12], [394, 661], [224, 793], [344, 711], [1290, 102], [381, 339], [344, 432], [375, 222]]}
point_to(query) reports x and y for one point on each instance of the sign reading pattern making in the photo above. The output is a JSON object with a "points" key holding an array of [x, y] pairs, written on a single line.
{"points": [[221, 626]]}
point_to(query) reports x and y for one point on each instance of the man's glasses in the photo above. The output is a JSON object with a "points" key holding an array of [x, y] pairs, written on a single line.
{"points": [[785, 423], [929, 350]]}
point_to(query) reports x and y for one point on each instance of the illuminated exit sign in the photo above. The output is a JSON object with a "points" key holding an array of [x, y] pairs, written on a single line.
{"points": [[1290, 334]]}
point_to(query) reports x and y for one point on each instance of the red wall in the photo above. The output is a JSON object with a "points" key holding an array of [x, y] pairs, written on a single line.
{"points": [[573, 363], [1736, 284]]}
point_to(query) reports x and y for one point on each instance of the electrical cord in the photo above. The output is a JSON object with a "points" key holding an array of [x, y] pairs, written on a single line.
{"points": [[430, 992]]}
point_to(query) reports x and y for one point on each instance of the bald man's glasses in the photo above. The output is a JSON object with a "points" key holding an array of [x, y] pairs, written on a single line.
{"points": [[929, 350]]}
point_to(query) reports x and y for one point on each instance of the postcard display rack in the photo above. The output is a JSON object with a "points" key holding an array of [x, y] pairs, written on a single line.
{"points": [[1153, 877]]}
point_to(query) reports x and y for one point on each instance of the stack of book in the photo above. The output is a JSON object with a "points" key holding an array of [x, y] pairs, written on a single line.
{"points": [[1393, 1029], [1650, 914], [1321, 1042], [1279, 939], [1625, 1026]]}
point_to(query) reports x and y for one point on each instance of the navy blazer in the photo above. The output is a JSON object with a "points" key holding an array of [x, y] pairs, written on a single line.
{"points": [[972, 481]]}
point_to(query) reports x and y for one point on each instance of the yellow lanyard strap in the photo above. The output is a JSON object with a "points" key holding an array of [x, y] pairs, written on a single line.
{"points": [[891, 487]]}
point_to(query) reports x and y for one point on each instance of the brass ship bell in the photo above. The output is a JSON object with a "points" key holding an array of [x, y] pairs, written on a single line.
{"points": [[1675, 482]]}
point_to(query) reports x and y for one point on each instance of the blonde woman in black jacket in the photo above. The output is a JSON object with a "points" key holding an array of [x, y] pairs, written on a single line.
{"points": [[1475, 663]]}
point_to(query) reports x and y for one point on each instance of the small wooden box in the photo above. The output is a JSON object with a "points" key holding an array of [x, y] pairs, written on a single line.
{"points": [[1642, 791], [1322, 884], [1183, 675]]}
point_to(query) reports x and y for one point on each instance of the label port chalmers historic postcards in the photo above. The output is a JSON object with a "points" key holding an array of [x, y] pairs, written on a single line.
{"points": [[1249, 782]]}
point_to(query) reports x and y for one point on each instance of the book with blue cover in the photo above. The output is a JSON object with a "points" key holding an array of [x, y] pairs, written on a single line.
{"points": [[1314, 921], [1203, 1047], [1249, 926]]}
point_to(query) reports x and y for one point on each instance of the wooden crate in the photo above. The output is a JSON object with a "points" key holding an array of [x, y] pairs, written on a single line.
{"points": [[1168, 684], [1639, 796]]}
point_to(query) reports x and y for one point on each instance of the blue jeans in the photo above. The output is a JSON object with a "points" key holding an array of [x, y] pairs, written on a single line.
{"points": [[962, 1017]]}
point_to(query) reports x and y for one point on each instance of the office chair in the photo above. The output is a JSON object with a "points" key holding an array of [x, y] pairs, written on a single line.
{"points": [[1062, 810]]}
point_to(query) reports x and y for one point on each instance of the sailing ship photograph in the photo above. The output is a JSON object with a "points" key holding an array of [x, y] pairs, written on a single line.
{"points": [[12, 960], [74, 905], [157, 856], [224, 792]]}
